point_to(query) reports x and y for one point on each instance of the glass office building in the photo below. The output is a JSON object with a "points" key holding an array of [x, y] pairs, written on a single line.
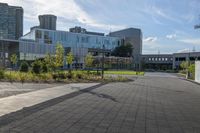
{"points": [[11, 22], [38, 42]]}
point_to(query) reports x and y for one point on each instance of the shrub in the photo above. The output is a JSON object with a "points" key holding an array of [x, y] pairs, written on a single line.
{"points": [[70, 75], [44, 67], [24, 67], [36, 66], [2, 74], [79, 75]]}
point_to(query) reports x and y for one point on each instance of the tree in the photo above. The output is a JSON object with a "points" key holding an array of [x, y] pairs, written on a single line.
{"points": [[191, 70], [123, 50], [89, 60], [24, 67], [69, 59], [13, 59], [59, 57], [184, 65], [49, 61], [37, 66]]}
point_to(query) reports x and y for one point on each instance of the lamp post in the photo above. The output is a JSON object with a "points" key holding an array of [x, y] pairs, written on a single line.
{"points": [[102, 67]]}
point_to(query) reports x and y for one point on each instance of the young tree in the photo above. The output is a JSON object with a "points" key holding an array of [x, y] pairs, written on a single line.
{"points": [[49, 61], [184, 65], [13, 59], [89, 60], [59, 57], [69, 59]]}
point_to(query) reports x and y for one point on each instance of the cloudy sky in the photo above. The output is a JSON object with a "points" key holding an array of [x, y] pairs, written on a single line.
{"points": [[167, 25]]}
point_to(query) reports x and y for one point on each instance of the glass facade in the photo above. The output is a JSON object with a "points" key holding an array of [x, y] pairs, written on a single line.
{"points": [[11, 22], [39, 42]]}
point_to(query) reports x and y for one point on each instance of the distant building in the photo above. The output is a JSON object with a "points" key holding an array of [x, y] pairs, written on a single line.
{"points": [[157, 61], [11, 21], [134, 37], [78, 29], [47, 22]]}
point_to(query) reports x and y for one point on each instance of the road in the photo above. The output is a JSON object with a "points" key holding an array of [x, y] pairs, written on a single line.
{"points": [[150, 104]]}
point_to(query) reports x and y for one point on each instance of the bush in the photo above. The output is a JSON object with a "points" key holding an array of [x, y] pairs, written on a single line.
{"points": [[36, 66], [79, 75], [24, 67], [70, 75], [2, 74], [44, 67]]}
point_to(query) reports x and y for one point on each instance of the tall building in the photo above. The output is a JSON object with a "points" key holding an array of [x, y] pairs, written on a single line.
{"points": [[48, 22], [134, 37], [11, 22]]}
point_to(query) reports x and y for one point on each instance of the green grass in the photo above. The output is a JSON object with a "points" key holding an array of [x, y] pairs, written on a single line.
{"points": [[121, 72]]}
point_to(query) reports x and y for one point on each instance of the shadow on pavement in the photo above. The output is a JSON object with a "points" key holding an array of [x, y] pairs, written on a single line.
{"points": [[8, 118]]}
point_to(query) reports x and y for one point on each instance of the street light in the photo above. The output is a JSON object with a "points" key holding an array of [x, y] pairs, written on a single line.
{"points": [[102, 67]]}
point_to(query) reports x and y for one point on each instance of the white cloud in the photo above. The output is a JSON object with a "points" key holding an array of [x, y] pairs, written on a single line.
{"points": [[183, 50], [150, 39], [194, 41], [67, 9], [171, 36]]}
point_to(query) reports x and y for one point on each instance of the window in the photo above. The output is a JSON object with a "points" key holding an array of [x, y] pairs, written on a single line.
{"points": [[166, 59], [38, 34]]}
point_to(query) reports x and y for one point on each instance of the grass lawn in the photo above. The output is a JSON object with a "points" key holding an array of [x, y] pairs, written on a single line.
{"points": [[121, 72]]}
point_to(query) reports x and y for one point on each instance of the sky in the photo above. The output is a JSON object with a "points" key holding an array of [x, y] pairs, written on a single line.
{"points": [[167, 25]]}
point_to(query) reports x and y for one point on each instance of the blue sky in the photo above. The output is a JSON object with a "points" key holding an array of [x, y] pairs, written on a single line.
{"points": [[167, 25]]}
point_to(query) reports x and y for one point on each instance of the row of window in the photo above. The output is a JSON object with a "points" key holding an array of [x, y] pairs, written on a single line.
{"points": [[184, 58], [159, 59], [48, 37]]}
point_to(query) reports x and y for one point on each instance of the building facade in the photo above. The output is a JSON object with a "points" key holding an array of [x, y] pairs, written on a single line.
{"points": [[134, 37], [11, 22], [47, 21], [157, 62], [38, 42]]}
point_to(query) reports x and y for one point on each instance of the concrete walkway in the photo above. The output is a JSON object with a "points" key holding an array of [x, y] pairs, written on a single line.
{"points": [[17, 102]]}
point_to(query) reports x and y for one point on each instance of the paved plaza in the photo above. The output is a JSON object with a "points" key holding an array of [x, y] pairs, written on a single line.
{"points": [[149, 104]]}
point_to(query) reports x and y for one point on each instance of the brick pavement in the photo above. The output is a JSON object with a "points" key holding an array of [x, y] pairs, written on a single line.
{"points": [[147, 105]]}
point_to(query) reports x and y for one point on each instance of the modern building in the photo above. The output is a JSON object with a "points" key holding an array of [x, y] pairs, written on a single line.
{"points": [[157, 61], [11, 29], [38, 42], [47, 21], [11, 22], [168, 61], [134, 37], [178, 58]]}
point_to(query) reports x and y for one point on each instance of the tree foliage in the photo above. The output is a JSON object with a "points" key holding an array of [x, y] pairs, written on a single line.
{"points": [[69, 58], [59, 57], [89, 60], [184, 65], [13, 59], [24, 67], [49, 62], [123, 50], [37, 66]]}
